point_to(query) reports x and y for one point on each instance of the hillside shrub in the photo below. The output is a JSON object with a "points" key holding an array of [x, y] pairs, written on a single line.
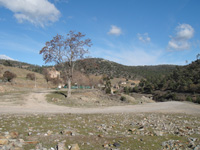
{"points": [[7, 63], [135, 89], [108, 90], [189, 99], [30, 76], [126, 90], [9, 76], [123, 98], [198, 100]]}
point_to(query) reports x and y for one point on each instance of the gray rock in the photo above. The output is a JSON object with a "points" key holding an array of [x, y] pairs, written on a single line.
{"points": [[61, 146], [116, 144]]}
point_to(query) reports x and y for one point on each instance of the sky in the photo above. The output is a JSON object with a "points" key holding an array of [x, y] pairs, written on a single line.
{"points": [[129, 32]]}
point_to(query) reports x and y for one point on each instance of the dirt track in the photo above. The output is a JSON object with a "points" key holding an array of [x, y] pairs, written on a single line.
{"points": [[35, 103]]}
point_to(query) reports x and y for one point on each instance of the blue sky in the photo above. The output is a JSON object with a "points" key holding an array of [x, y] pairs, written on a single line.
{"points": [[130, 32]]}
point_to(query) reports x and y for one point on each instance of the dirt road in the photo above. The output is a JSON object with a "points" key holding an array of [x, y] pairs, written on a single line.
{"points": [[35, 103]]}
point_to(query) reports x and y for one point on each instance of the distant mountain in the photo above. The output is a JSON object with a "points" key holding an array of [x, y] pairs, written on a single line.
{"points": [[100, 66], [4, 57]]}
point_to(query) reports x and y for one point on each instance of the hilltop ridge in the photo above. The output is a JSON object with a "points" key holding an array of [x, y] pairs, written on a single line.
{"points": [[99, 66]]}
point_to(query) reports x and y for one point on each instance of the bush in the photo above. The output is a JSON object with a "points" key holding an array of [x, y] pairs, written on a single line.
{"points": [[108, 90], [123, 98], [126, 90], [189, 99], [7, 63], [198, 100], [9, 76], [56, 81], [30, 76]]}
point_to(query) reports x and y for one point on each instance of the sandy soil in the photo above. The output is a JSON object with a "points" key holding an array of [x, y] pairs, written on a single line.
{"points": [[35, 102]]}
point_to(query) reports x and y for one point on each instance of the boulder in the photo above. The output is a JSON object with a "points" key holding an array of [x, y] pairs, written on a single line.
{"points": [[3, 141], [75, 147], [61, 146], [14, 135]]}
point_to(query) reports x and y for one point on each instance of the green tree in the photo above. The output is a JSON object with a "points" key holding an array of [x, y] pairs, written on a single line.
{"points": [[7, 63]]}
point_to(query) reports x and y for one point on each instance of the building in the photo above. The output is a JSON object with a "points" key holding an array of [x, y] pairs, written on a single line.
{"points": [[54, 73]]}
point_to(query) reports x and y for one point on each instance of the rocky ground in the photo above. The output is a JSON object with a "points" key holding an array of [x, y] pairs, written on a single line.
{"points": [[28, 121], [122, 131]]}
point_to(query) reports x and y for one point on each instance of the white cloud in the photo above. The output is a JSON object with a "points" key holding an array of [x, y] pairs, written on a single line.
{"points": [[38, 12], [5, 57], [115, 30], [179, 45], [144, 37], [184, 32]]}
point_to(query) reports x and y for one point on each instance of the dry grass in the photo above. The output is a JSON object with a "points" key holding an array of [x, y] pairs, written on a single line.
{"points": [[85, 98], [21, 81]]}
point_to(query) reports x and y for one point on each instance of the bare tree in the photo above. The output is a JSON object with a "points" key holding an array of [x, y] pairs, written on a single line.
{"points": [[65, 51]]}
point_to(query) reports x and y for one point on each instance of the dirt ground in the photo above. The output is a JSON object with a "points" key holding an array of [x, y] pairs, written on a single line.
{"points": [[35, 102]]}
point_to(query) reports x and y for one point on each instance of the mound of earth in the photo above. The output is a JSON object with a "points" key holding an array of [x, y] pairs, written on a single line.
{"points": [[85, 98]]}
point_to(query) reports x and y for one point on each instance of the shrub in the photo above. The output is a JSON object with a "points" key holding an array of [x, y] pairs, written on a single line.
{"points": [[108, 90], [189, 99], [198, 100], [123, 98], [135, 89], [30, 76], [9, 76], [56, 81], [126, 90], [7, 63]]}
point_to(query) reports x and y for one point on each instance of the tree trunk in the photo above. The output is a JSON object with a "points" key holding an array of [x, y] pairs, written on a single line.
{"points": [[69, 88]]}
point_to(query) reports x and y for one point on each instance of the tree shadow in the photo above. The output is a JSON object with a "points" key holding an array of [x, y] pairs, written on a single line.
{"points": [[61, 93]]}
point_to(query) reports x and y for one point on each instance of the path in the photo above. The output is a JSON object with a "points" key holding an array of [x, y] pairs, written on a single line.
{"points": [[35, 103]]}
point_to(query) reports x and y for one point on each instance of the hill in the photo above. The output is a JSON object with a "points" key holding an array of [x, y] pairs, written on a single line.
{"points": [[182, 84], [22, 65], [20, 82], [98, 66]]}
